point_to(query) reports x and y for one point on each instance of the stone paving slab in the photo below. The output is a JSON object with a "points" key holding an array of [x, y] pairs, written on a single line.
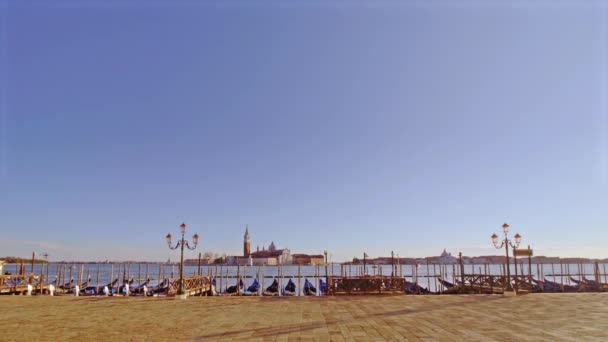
{"points": [[534, 317]]}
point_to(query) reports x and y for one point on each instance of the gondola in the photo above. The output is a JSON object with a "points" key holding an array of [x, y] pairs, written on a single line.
{"points": [[309, 289], [595, 283], [445, 283], [547, 286], [96, 290], [579, 282], [551, 286], [231, 290], [139, 290], [70, 286], [272, 290], [588, 283], [67, 286], [322, 286], [126, 286], [414, 288], [253, 289], [160, 288], [290, 289], [212, 291]]}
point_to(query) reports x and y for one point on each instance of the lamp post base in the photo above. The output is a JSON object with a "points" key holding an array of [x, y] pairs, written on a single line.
{"points": [[181, 296]]}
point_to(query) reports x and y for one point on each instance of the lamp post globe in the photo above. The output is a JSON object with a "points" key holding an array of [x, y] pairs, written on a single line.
{"points": [[517, 239]]}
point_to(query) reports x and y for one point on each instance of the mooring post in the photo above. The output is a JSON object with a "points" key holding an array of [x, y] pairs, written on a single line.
{"points": [[199, 262], [461, 269], [326, 275], [238, 277], [33, 258], [605, 275], [111, 277], [530, 266], [596, 273], [41, 278], [71, 277]]}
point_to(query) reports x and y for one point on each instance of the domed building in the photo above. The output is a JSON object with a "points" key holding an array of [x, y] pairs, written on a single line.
{"points": [[447, 258]]}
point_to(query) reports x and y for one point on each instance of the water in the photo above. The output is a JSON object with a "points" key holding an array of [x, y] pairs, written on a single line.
{"points": [[425, 275]]}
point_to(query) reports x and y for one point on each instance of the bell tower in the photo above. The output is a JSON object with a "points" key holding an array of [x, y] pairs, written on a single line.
{"points": [[246, 242]]}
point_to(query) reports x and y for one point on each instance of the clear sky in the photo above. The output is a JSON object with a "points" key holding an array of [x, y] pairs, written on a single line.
{"points": [[345, 126]]}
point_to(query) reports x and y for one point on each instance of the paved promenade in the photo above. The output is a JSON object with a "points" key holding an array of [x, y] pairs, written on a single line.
{"points": [[535, 317]]}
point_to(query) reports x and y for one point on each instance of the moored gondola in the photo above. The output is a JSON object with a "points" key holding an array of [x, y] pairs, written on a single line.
{"points": [[141, 288], [68, 285], [273, 289], [322, 287], [97, 290], [309, 289], [161, 288], [232, 290], [445, 283], [290, 289], [546, 285], [253, 289], [414, 288]]}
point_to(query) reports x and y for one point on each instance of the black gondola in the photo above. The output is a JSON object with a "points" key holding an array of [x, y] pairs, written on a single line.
{"points": [[290, 289], [140, 287], [233, 289], [414, 288], [445, 283], [309, 289], [160, 288], [273, 289]]}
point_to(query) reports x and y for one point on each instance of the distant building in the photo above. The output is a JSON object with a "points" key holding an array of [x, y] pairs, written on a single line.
{"points": [[443, 258], [281, 256], [447, 258], [270, 256], [246, 243], [305, 259]]}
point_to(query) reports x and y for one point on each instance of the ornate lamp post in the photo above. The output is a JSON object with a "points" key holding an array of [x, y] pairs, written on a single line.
{"points": [[181, 243], [506, 243]]}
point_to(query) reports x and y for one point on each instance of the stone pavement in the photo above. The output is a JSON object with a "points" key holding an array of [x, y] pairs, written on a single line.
{"points": [[534, 317]]}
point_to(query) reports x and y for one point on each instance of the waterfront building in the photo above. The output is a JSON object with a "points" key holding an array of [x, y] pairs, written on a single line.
{"points": [[305, 259], [281, 256], [270, 256]]}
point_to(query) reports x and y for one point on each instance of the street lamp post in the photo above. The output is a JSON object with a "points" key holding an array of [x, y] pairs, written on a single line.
{"points": [[181, 243], [506, 243]]}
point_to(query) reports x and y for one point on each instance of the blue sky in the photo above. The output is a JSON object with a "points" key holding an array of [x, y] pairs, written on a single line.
{"points": [[339, 126]]}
